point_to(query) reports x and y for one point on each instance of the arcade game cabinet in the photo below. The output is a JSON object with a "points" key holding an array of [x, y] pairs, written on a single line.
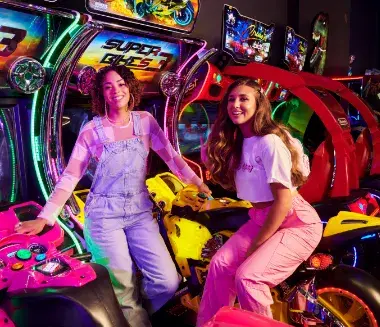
{"points": [[108, 34], [41, 285], [27, 36]]}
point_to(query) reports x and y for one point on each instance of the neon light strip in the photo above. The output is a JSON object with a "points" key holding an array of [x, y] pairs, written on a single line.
{"points": [[34, 110], [355, 257], [34, 139], [269, 88], [277, 107], [181, 68], [368, 236], [13, 158], [54, 168], [351, 78]]}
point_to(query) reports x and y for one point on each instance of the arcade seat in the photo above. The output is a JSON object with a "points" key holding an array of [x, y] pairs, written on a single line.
{"points": [[363, 152], [363, 201], [92, 305], [318, 183], [363, 149]]}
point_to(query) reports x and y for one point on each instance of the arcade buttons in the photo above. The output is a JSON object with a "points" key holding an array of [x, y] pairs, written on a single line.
{"points": [[23, 254], [40, 257], [17, 266]]}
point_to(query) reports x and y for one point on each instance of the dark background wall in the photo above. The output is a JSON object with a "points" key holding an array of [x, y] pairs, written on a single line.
{"points": [[364, 31], [354, 26]]}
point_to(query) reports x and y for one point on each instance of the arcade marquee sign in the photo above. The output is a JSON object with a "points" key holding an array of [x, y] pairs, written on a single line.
{"points": [[145, 56]]}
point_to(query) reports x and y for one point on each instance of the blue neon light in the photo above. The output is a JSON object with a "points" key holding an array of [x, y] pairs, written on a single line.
{"points": [[355, 257], [368, 236]]}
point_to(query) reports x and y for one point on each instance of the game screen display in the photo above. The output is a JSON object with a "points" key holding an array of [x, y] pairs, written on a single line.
{"points": [[146, 57], [194, 126], [295, 50], [302, 122], [176, 15], [244, 38], [320, 31], [21, 34]]}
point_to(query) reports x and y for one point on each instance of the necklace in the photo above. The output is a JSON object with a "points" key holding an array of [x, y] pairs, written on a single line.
{"points": [[113, 122]]}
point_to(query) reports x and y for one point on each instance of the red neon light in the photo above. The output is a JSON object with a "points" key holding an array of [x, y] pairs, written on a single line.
{"points": [[348, 78]]}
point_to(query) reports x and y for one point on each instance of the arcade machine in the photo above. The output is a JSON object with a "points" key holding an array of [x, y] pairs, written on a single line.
{"points": [[278, 84], [315, 117], [363, 201], [359, 97], [38, 276], [27, 36], [109, 35]]}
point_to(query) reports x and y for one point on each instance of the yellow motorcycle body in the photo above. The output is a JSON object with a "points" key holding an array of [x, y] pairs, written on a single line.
{"points": [[189, 238]]}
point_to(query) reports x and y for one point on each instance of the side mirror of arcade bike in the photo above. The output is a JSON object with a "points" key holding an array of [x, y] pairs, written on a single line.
{"points": [[42, 287]]}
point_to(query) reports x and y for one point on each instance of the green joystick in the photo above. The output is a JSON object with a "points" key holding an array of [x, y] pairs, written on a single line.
{"points": [[23, 254]]}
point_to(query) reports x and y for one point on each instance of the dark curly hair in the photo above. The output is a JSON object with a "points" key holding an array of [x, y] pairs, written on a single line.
{"points": [[134, 85]]}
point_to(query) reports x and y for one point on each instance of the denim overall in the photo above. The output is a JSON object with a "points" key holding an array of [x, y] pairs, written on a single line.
{"points": [[120, 230]]}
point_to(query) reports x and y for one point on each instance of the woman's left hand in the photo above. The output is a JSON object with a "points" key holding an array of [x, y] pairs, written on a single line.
{"points": [[203, 188]]}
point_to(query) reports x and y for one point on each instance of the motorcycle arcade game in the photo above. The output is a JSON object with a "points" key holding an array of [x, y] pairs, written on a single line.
{"points": [[360, 101], [160, 61], [333, 170], [41, 284], [157, 60]]}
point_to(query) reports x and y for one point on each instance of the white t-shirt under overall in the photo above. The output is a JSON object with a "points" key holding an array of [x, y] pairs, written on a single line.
{"points": [[265, 160]]}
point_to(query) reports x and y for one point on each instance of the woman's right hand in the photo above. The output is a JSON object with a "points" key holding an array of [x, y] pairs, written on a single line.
{"points": [[31, 227]]}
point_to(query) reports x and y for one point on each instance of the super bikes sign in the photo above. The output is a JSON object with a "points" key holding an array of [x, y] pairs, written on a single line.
{"points": [[173, 15], [144, 56]]}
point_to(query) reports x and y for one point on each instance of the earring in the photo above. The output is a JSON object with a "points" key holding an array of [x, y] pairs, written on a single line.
{"points": [[132, 101], [105, 109]]}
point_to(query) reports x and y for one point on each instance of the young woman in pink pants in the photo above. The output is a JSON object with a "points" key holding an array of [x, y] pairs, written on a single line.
{"points": [[249, 152]]}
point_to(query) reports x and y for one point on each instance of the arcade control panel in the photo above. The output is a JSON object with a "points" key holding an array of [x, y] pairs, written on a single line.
{"points": [[27, 263], [37, 280]]}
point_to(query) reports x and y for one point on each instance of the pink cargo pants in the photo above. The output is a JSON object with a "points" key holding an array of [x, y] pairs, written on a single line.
{"points": [[232, 274]]}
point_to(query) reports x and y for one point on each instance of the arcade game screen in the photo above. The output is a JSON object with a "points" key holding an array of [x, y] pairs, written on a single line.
{"points": [[244, 38], [25, 30], [295, 50], [194, 126], [179, 15], [302, 123]]}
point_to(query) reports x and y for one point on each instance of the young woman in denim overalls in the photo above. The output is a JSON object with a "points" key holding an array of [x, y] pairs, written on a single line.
{"points": [[264, 164], [120, 230]]}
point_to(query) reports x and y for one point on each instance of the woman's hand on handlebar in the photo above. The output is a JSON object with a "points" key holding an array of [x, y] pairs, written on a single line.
{"points": [[203, 188], [31, 227]]}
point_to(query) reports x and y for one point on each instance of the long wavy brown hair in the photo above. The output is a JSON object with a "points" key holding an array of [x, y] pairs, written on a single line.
{"points": [[224, 145], [134, 85]]}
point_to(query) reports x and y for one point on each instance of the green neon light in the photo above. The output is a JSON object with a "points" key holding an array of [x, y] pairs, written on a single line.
{"points": [[13, 157], [36, 141], [277, 107]]}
